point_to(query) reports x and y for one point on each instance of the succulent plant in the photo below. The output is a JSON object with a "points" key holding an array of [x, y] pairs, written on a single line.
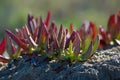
{"points": [[43, 39], [112, 33]]}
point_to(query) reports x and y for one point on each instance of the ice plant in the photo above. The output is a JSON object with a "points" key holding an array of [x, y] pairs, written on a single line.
{"points": [[112, 33], [40, 38], [82, 43]]}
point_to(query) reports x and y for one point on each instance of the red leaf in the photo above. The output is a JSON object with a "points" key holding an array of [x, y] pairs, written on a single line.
{"points": [[66, 30], [20, 34], [63, 42], [13, 48], [60, 33], [2, 46], [94, 31], [72, 37], [56, 44], [33, 26], [39, 31], [52, 28], [47, 19], [30, 18], [112, 25], [112, 21], [71, 28], [35, 33], [17, 40], [43, 35], [76, 44], [28, 35]]}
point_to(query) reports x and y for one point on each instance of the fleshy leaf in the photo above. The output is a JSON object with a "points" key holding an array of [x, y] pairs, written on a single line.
{"points": [[47, 19], [35, 34], [76, 44], [112, 26], [19, 33], [94, 31], [13, 48], [2, 46], [72, 37], [63, 42], [9, 47], [71, 28], [43, 34], [70, 52], [96, 44], [17, 40], [105, 37], [56, 44], [28, 35], [86, 43], [87, 53], [60, 33], [30, 18]]}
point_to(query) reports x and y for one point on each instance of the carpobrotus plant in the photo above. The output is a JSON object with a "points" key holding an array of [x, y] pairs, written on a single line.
{"points": [[111, 35], [43, 38], [39, 38]]}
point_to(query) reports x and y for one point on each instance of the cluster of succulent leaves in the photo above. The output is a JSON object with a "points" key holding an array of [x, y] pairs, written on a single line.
{"points": [[42, 37], [111, 35]]}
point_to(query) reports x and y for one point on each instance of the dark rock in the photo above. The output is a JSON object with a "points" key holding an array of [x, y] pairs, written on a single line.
{"points": [[105, 65]]}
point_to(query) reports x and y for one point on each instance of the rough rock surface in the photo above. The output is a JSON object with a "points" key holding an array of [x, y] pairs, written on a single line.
{"points": [[105, 65]]}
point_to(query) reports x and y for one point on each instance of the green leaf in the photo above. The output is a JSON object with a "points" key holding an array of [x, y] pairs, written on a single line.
{"points": [[87, 53], [87, 43], [17, 54], [70, 52], [96, 44]]}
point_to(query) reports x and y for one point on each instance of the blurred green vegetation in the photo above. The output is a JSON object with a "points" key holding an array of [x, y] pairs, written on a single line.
{"points": [[13, 13]]}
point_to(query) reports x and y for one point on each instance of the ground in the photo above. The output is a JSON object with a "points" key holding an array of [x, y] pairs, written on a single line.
{"points": [[104, 65]]}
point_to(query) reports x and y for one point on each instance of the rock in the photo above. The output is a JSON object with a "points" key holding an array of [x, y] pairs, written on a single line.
{"points": [[105, 65]]}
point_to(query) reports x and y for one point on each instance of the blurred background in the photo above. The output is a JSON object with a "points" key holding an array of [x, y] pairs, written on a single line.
{"points": [[13, 13]]}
